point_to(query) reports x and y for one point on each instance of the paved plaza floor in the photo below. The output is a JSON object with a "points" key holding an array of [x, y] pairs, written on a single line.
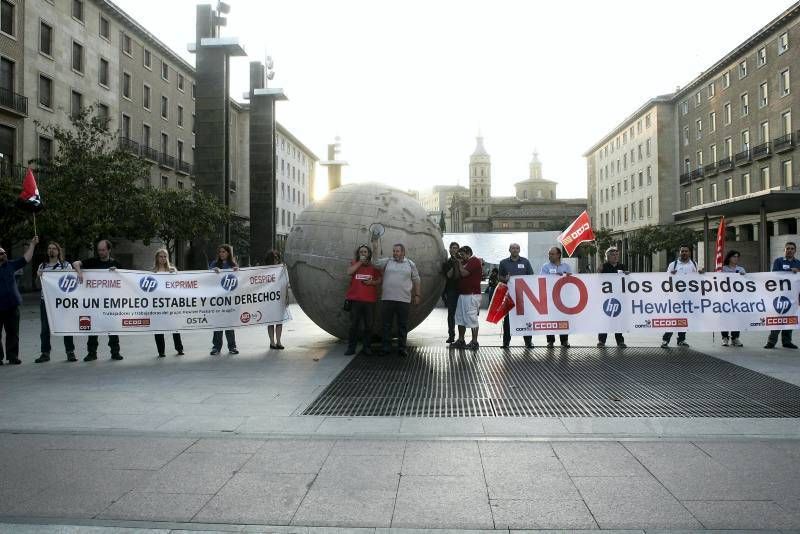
{"points": [[220, 444]]}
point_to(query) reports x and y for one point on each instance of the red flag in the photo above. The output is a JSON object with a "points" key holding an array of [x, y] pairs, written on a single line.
{"points": [[29, 198], [500, 305], [720, 243], [578, 232]]}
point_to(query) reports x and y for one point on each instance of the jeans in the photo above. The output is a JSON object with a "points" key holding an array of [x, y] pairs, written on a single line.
{"points": [[451, 300], [507, 334], [230, 337], [668, 335], [9, 321], [361, 313], [618, 337], [44, 334], [786, 336], [389, 310], [113, 344], [176, 340]]}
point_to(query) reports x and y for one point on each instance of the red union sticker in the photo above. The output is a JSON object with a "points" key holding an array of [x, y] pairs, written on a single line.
{"points": [[245, 317], [676, 322], [130, 322], [84, 322], [551, 325], [778, 321]]}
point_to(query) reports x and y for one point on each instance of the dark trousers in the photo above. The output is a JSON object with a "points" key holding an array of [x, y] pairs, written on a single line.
{"points": [[451, 300], [786, 336], [361, 313], [44, 334], [735, 335], [176, 340], [230, 337], [391, 309], [618, 337], [668, 335], [113, 344], [562, 338], [507, 334], [9, 321]]}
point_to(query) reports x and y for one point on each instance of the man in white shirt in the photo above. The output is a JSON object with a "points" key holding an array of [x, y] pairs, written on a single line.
{"points": [[683, 264]]}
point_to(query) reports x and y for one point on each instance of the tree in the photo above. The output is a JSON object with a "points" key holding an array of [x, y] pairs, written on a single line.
{"points": [[645, 241], [671, 237], [442, 224], [91, 187]]}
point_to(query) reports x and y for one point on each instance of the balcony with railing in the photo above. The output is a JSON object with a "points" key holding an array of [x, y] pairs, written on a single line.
{"points": [[711, 169], [725, 164], [13, 172], [14, 102], [165, 160], [129, 145], [696, 174], [762, 151], [184, 168], [743, 158], [783, 143], [685, 178], [149, 153]]}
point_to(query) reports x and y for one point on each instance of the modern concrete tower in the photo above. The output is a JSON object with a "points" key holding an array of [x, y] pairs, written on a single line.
{"points": [[334, 166], [212, 95], [263, 183]]}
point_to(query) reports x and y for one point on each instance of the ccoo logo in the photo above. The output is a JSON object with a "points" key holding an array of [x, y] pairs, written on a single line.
{"points": [[782, 305], [229, 282], [612, 307], [68, 283], [148, 284]]}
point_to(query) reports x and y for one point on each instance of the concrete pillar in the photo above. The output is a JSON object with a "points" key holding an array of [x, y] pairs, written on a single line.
{"points": [[763, 239]]}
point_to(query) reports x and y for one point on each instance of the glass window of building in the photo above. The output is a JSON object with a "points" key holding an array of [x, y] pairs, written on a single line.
{"points": [[127, 83], [77, 57], [786, 122], [785, 82], [783, 42], [765, 182], [146, 96], [729, 188], [75, 103], [712, 121], [147, 59], [746, 183], [726, 79], [763, 95], [712, 90], [744, 101], [105, 28], [45, 39], [726, 112], [77, 10], [762, 56], [742, 69], [786, 173], [103, 72]]}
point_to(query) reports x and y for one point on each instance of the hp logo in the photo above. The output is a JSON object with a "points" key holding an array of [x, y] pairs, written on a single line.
{"points": [[782, 305], [612, 307], [148, 284], [68, 283], [229, 282]]}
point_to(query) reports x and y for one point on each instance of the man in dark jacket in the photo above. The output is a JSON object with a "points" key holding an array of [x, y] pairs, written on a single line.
{"points": [[612, 266], [10, 299], [452, 274]]}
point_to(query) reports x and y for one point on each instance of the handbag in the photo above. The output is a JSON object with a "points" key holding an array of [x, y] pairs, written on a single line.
{"points": [[347, 304]]}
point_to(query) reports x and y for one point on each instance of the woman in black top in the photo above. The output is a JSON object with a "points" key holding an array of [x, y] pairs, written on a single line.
{"points": [[274, 330], [612, 266]]}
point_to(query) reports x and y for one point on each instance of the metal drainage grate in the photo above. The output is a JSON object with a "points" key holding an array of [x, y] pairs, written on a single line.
{"points": [[577, 382]]}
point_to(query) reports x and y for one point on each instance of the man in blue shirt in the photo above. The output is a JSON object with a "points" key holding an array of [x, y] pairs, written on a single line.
{"points": [[10, 299], [787, 264], [514, 265], [555, 267]]}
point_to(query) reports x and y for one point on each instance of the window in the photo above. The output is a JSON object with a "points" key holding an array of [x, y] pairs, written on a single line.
{"points": [[687, 165], [785, 82], [685, 135], [762, 56], [641, 210], [786, 122], [181, 82], [745, 103], [145, 135], [647, 147], [147, 59], [7, 17], [164, 107], [786, 173], [684, 107], [102, 114], [164, 143], [742, 69], [728, 147], [783, 42], [127, 84], [180, 116], [45, 39], [146, 96], [180, 184], [698, 128], [75, 103], [712, 121], [712, 90], [126, 127], [698, 98], [764, 132], [103, 72], [179, 155], [649, 175], [746, 183], [765, 183], [699, 196], [726, 79], [625, 185], [77, 10], [699, 158], [763, 95], [7, 71], [713, 192], [105, 28], [45, 91], [127, 44], [729, 188], [625, 211], [746, 140], [647, 121], [640, 152], [164, 181], [194, 88], [687, 199], [713, 150], [639, 126], [164, 70], [77, 57], [726, 112], [193, 123], [613, 188], [641, 179]]}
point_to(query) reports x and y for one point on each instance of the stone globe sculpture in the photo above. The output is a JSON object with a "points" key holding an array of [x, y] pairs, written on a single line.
{"points": [[324, 237]]}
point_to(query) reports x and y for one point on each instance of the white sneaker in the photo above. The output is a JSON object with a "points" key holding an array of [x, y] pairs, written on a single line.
{"points": [[724, 341], [736, 343]]}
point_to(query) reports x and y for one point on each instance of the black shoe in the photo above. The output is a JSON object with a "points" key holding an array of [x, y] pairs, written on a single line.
{"points": [[565, 345], [402, 353], [528, 345], [116, 356], [234, 350], [550, 344], [350, 351], [90, 357], [789, 346], [180, 353], [279, 347], [1, 362], [505, 345], [15, 362], [450, 339], [160, 356], [71, 357], [214, 352], [43, 358], [272, 346], [366, 351], [769, 345]]}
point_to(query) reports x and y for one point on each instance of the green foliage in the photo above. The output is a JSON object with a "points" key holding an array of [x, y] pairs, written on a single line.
{"points": [[183, 214], [240, 241]]}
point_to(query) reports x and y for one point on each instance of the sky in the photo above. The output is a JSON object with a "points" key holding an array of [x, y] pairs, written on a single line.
{"points": [[408, 85]]}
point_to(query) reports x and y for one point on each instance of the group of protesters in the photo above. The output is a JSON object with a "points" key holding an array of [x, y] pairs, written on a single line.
{"points": [[10, 300]]}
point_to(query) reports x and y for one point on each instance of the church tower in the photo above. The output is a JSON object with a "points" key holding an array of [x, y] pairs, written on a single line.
{"points": [[480, 185], [536, 167]]}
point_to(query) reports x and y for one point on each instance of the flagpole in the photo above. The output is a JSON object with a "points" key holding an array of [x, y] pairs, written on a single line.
{"points": [[34, 224]]}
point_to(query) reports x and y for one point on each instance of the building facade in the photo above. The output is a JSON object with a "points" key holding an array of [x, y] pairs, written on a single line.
{"points": [[437, 202]]}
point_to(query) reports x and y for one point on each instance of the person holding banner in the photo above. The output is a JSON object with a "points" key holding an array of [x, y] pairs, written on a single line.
{"points": [[556, 267], [612, 266], [10, 300], [514, 265], [161, 264], [731, 265], [103, 260], [224, 262], [362, 294], [274, 331], [55, 262], [788, 263], [683, 264], [450, 296]]}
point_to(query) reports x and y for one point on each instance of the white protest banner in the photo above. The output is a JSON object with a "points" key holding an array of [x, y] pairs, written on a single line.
{"points": [[659, 302], [135, 302]]}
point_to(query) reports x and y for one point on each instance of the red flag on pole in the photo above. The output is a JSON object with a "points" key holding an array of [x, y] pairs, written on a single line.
{"points": [[29, 198], [500, 305], [720, 243], [578, 232]]}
